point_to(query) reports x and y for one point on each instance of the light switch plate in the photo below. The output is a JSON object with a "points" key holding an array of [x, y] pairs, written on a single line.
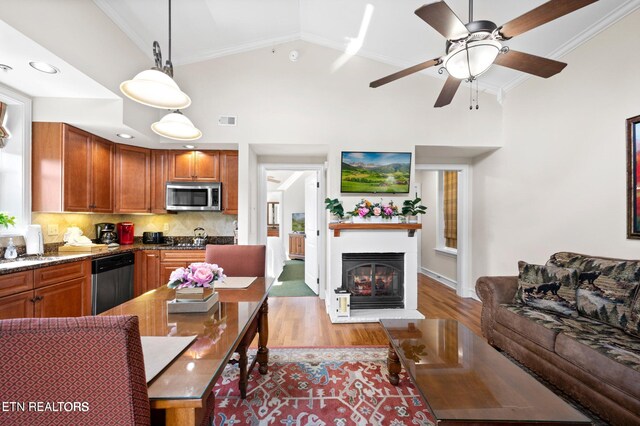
{"points": [[52, 229]]}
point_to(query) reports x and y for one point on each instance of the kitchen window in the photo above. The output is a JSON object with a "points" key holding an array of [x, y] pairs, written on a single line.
{"points": [[15, 161]]}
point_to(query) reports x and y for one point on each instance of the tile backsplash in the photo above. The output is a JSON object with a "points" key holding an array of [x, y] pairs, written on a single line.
{"points": [[215, 224]]}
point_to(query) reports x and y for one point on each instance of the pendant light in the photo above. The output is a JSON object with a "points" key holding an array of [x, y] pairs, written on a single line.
{"points": [[176, 126], [155, 87]]}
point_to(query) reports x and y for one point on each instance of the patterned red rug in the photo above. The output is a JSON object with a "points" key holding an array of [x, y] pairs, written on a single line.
{"points": [[326, 386]]}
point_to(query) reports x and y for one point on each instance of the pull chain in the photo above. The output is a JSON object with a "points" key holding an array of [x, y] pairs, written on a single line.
{"points": [[471, 98]]}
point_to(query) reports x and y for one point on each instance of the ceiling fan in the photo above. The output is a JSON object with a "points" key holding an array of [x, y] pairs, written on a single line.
{"points": [[472, 48]]}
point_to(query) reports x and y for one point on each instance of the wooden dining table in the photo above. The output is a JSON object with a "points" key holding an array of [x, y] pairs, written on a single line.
{"points": [[182, 391]]}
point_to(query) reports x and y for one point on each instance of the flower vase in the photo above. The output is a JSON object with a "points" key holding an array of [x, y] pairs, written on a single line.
{"points": [[376, 219], [358, 219], [193, 294], [392, 219], [412, 219]]}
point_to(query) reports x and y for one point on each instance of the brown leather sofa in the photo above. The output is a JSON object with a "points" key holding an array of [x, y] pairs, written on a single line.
{"points": [[592, 361]]}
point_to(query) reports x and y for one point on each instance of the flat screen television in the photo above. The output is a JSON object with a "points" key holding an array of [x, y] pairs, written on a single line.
{"points": [[375, 172], [297, 222]]}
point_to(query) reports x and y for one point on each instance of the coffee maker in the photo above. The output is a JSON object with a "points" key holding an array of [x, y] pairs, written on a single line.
{"points": [[106, 233], [125, 232]]}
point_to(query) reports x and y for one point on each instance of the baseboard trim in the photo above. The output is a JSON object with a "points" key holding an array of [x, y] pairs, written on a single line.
{"points": [[442, 280]]}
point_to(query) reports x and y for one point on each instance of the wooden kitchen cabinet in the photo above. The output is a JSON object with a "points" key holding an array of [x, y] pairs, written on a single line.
{"points": [[159, 178], [147, 272], [54, 291], [62, 300], [296, 246], [72, 170], [170, 260], [194, 166], [132, 179], [229, 179]]}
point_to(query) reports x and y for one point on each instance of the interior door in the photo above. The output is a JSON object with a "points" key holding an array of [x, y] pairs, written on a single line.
{"points": [[311, 268]]}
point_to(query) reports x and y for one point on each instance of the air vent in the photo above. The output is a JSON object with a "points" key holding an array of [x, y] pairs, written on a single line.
{"points": [[227, 120]]}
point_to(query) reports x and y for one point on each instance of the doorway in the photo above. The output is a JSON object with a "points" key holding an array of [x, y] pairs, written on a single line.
{"points": [[445, 243], [290, 225]]}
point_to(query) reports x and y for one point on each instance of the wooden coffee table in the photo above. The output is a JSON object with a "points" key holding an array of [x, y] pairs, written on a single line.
{"points": [[464, 380]]}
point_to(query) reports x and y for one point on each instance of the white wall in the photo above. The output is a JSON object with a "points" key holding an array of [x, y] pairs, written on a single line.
{"points": [[559, 181], [438, 263]]}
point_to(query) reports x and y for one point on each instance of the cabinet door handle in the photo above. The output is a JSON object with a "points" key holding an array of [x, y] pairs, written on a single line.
{"points": [[33, 300], [39, 297]]}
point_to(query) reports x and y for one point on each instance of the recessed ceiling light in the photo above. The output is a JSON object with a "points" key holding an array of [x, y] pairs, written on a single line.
{"points": [[5, 67], [44, 67], [124, 136], [189, 146]]}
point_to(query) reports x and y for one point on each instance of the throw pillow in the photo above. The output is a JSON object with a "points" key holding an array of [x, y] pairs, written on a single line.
{"points": [[549, 288]]}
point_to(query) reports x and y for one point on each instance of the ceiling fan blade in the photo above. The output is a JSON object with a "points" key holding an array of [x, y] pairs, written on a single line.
{"points": [[542, 14], [532, 64], [405, 72], [448, 92], [440, 16]]}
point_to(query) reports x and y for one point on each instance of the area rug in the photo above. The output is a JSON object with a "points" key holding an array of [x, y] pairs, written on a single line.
{"points": [[291, 283], [315, 386]]}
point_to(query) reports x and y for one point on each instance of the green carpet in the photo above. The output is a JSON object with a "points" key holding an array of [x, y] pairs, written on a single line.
{"points": [[291, 281]]}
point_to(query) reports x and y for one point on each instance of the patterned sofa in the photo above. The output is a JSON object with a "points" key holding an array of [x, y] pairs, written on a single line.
{"points": [[576, 322]]}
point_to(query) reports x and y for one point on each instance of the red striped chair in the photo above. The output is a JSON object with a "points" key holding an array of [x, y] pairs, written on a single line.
{"points": [[73, 371]]}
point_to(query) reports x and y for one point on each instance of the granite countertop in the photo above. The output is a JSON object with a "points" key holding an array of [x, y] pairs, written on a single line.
{"points": [[53, 257]]}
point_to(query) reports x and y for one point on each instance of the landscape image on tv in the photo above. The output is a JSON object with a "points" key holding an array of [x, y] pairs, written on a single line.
{"points": [[377, 172]]}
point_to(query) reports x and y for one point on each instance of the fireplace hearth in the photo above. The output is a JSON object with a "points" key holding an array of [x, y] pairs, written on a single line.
{"points": [[375, 280]]}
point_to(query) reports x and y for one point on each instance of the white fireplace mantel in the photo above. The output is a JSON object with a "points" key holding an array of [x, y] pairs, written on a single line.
{"points": [[374, 238]]}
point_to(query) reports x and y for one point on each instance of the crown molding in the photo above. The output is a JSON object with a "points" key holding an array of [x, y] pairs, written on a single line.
{"points": [[121, 23], [608, 20]]}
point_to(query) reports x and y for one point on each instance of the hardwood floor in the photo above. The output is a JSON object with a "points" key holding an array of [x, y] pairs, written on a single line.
{"points": [[303, 321]]}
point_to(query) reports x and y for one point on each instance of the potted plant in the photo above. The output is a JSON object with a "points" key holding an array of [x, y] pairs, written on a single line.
{"points": [[335, 208], [412, 208], [6, 220]]}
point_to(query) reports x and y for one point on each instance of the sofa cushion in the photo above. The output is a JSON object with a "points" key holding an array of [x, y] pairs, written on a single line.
{"points": [[605, 352], [535, 325], [608, 288], [550, 288]]}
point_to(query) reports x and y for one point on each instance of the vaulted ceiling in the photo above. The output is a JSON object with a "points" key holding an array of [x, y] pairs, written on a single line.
{"points": [[384, 30]]}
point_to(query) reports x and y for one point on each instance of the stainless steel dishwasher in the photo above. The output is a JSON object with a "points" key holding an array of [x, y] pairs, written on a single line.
{"points": [[111, 281]]}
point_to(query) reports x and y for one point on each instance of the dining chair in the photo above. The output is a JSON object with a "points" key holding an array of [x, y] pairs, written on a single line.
{"points": [[72, 371], [240, 261]]}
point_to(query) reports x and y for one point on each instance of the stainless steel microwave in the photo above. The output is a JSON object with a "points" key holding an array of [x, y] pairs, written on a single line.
{"points": [[194, 196]]}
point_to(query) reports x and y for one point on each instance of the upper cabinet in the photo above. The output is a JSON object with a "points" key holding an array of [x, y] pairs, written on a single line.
{"points": [[229, 179], [133, 179], [75, 171], [72, 170], [194, 166]]}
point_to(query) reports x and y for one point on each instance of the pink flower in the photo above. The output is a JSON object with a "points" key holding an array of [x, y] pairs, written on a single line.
{"points": [[363, 211], [178, 274], [377, 211], [388, 211], [202, 275]]}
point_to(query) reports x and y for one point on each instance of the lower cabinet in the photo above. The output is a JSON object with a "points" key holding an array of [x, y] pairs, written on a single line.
{"points": [[170, 260], [55, 291], [296, 246], [147, 272]]}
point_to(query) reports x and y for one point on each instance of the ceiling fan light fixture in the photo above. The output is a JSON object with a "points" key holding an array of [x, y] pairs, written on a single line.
{"points": [[176, 126], [472, 58], [156, 89]]}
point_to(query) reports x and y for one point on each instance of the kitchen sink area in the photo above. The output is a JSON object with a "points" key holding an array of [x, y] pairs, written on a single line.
{"points": [[32, 260]]}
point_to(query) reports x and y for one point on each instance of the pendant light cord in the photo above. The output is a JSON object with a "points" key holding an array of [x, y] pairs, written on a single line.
{"points": [[470, 10], [169, 30]]}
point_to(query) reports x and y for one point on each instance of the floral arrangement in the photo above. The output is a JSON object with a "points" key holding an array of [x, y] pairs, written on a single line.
{"points": [[198, 274], [366, 208]]}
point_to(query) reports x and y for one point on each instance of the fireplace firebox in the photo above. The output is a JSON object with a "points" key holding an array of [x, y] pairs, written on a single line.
{"points": [[375, 280]]}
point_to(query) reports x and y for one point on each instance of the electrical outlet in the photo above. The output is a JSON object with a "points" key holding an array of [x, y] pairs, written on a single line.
{"points": [[165, 228], [52, 229]]}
